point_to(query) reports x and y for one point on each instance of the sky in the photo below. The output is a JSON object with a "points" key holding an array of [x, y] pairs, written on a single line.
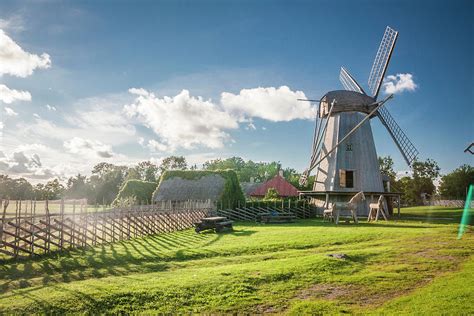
{"points": [[125, 81]]}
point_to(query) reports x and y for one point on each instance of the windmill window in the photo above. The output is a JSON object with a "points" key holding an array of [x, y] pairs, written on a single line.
{"points": [[348, 147], [346, 178]]}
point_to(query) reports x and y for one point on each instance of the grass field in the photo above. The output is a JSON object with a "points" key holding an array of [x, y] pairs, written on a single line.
{"points": [[411, 266]]}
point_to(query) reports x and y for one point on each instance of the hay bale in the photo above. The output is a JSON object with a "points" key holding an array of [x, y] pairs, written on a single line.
{"points": [[221, 186], [141, 191]]}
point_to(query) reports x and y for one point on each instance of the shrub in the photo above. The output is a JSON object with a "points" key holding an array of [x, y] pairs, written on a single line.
{"points": [[140, 191]]}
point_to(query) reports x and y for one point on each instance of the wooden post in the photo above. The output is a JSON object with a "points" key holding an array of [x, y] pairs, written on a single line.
{"points": [[398, 206], [32, 227], [48, 232], [73, 224], [61, 233]]}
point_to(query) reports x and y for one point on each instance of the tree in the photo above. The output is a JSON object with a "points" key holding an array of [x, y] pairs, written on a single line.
{"points": [[52, 190], [454, 185], [386, 167], [424, 173], [16, 189], [148, 171], [77, 187], [272, 194], [425, 169], [106, 182], [173, 163]]}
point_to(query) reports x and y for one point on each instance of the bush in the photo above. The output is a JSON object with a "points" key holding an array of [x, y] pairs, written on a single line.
{"points": [[138, 190]]}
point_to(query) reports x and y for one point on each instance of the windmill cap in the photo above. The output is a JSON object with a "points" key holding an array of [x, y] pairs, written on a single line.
{"points": [[346, 101]]}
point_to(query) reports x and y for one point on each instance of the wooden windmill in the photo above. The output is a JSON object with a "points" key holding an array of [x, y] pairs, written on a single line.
{"points": [[344, 157]]}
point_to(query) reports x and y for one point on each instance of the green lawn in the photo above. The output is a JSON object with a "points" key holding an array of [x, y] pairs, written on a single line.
{"points": [[415, 265]]}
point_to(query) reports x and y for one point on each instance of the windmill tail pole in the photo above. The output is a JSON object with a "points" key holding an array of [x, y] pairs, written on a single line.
{"points": [[352, 130]]}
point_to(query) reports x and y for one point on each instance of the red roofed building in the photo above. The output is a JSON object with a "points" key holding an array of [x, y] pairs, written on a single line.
{"points": [[283, 187]]}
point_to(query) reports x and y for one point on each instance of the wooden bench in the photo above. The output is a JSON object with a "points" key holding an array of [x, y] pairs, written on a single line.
{"points": [[218, 223], [268, 218]]}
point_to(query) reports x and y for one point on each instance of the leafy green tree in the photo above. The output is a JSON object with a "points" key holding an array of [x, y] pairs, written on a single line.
{"points": [[426, 169], [105, 182], [272, 194], [173, 163], [52, 190], [424, 173], [454, 185], [148, 171], [77, 187], [17, 189], [386, 167]]}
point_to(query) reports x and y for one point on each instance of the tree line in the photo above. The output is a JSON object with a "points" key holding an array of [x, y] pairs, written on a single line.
{"points": [[106, 179]]}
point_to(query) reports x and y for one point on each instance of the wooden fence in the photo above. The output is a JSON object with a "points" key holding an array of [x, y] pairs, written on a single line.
{"points": [[29, 231], [249, 211]]}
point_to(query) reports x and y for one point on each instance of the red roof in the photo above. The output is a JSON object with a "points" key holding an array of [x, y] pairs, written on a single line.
{"points": [[283, 187]]}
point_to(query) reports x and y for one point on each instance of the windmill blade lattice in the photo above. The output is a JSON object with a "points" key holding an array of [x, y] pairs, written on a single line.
{"points": [[407, 149], [349, 82], [381, 60]]}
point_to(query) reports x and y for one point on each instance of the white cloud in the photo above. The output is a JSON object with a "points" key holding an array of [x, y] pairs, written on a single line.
{"points": [[103, 115], [183, 120], [88, 148], [273, 104], [10, 112], [250, 126], [16, 62], [36, 116], [399, 83], [138, 91], [8, 95], [50, 107], [156, 146], [32, 147], [14, 23], [18, 163]]}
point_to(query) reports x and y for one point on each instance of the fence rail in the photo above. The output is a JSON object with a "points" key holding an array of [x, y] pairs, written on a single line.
{"points": [[29, 231], [249, 211]]}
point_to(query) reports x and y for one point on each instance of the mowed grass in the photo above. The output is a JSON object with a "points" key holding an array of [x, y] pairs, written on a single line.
{"points": [[402, 266]]}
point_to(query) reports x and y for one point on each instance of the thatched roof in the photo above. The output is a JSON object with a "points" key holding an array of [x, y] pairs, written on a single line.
{"points": [[249, 187], [220, 186], [179, 189]]}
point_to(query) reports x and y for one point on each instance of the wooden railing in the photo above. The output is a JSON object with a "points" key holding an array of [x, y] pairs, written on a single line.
{"points": [[28, 231]]}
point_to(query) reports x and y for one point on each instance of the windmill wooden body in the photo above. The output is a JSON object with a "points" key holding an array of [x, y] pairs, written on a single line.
{"points": [[344, 157]]}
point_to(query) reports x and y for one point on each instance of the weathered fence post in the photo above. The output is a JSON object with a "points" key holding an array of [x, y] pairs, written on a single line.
{"points": [[61, 233]]}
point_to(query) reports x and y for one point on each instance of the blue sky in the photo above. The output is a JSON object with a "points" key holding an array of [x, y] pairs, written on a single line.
{"points": [[98, 50]]}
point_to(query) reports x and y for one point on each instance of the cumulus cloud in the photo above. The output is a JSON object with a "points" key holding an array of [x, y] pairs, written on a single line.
{"points": [[156, 146], [8, 95], [10, 112], [19, 163], [50, 107], [16, 62], [88, 148], [182, 121], [273, 104], [399, 83]]}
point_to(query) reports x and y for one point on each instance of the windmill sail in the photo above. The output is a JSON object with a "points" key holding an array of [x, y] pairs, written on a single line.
{"points": [[381, 60], [349, 82], [408, 150]]}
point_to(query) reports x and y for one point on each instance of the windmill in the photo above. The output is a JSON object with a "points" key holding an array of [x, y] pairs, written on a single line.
{"points": [[343, 155]]}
